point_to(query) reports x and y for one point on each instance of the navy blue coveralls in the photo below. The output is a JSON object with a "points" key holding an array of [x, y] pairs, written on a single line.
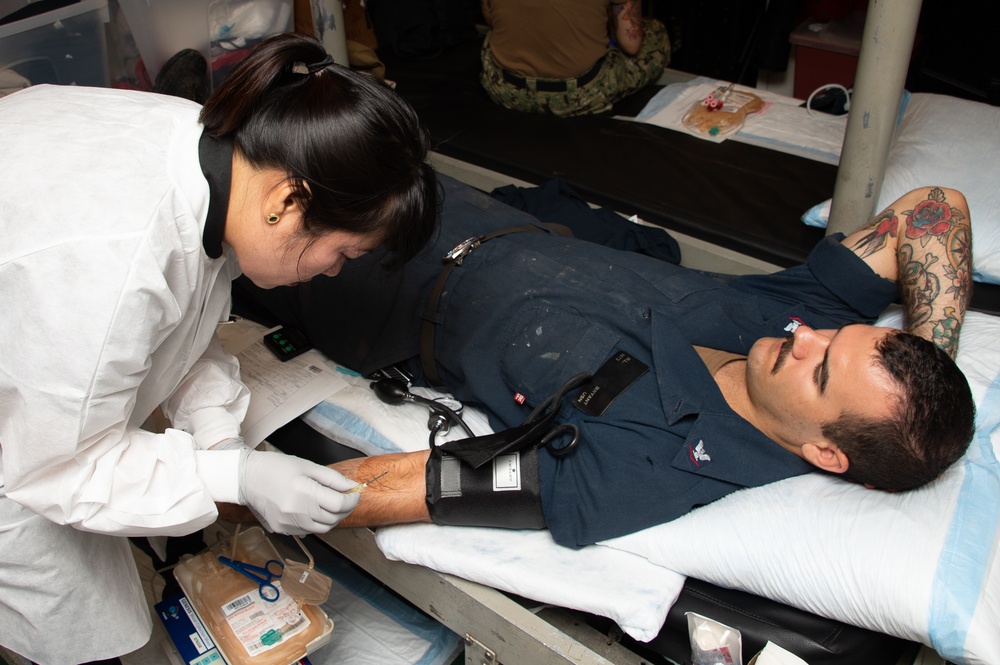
{"points": [[526, 311]]}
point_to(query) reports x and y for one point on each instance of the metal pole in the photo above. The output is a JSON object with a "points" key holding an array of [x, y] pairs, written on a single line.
{"points": [[886, 46]]}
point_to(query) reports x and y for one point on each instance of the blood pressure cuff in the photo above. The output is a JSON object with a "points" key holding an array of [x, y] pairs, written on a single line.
{"points": [[503, 493]]}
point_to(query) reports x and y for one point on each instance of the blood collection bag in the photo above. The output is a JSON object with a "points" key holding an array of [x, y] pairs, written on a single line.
{"points": [[722, 113], [303, 582]]}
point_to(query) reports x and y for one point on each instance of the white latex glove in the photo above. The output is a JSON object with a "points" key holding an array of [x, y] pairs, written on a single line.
{"points": [[292, 495]]}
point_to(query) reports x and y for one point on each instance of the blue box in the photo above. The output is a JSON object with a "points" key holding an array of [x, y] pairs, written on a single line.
{"points": [[187, 632]]}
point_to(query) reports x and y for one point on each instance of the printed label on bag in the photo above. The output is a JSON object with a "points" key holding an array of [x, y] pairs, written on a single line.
{"points": [[261, 625]]}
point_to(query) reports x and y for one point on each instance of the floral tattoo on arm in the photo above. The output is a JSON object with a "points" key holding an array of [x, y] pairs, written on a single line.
{"points": [[629, 13], [935, 223], [935, 258]]}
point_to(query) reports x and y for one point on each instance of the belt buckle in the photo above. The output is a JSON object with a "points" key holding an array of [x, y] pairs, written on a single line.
{"points": [[462, 249]]}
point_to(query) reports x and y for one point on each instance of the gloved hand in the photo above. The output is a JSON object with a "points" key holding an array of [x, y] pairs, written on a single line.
{"points": [[292, 495]]}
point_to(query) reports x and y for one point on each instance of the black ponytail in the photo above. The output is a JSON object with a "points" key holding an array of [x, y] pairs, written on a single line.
{"points": [[356, 143]]}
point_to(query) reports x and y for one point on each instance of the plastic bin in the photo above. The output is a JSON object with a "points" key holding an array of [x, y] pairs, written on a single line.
{"points": [[248, 629], [826, 52], [65, 46], [223, 30]]}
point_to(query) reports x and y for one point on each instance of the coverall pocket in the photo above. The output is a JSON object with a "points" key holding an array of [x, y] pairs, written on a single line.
{"points": [[545, 345]]}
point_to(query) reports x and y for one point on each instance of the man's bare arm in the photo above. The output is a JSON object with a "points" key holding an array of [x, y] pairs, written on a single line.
{"points": [[398, 497], [923, 241], [626, 18]]}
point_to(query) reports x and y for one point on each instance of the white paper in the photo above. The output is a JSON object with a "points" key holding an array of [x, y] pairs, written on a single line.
{"points": [[279, 391]]}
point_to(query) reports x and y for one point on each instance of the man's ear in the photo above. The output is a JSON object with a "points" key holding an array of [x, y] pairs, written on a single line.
{"points": [[825, 455]]}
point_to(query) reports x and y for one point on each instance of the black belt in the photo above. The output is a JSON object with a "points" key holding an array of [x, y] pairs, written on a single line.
{"points": [[453, 259], [552, 85]]}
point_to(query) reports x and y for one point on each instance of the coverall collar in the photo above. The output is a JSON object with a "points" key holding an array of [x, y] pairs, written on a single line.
{"points": [[216, 158]]}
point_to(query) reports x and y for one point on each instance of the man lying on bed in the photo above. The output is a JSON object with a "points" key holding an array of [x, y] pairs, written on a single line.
{"points": [[703, 384]]}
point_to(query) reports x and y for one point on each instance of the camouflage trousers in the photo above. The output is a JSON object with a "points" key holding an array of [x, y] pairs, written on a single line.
{"points": [[619, 75]]}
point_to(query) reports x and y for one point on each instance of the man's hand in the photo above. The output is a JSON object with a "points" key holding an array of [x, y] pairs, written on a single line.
{"points": [[923, 241]]}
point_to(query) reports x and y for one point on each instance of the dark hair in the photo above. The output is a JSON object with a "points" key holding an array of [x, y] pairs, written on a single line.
{"points": [[357, 143], [932, 423]]}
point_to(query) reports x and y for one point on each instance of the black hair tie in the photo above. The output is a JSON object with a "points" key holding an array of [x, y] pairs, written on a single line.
{"points": [[302, 68]]}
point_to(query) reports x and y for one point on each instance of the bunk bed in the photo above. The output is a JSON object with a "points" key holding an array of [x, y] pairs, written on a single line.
{"points": [[817, 545], [742, 204]]}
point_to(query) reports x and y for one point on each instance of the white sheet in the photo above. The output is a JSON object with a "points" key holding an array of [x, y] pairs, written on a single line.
{"points": [[633, 591], [375, 627]]}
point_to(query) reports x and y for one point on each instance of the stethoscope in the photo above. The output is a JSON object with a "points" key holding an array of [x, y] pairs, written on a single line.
{"points": [[395, 392]]}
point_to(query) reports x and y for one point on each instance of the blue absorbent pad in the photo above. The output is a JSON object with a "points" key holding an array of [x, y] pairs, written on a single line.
{"points": [[373, 626]]}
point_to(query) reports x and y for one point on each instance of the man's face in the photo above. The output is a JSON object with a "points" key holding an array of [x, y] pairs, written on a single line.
{"points": [[812, 377]]}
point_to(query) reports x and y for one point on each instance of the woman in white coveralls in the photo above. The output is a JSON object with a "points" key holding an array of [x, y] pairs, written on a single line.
{"points": [[125, 216]]}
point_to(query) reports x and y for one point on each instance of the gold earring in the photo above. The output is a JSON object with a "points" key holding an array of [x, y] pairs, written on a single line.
{"points": [[273, 218]]}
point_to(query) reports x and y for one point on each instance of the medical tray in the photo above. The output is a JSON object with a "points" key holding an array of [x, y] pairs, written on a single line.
{"points": [[248, 629]]}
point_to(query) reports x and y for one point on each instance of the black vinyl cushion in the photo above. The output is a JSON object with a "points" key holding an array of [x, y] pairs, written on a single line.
{"points": [[816, 640]]}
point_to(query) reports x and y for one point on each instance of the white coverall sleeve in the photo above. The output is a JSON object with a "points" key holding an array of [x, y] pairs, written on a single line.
{"points": [[212, 401], [74, 396]]}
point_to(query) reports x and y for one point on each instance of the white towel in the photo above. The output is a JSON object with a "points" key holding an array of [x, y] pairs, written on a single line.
{"points": [[624, 587]]}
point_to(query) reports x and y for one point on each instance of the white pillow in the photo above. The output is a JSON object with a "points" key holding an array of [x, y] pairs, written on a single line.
{"points": [[922, 565], [948, 142]]}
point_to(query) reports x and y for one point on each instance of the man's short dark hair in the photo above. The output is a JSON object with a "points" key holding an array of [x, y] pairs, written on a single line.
{"points": [[932, 421]]}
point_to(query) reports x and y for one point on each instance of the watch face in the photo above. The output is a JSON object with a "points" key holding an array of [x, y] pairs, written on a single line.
{"points": [[450, 403]]}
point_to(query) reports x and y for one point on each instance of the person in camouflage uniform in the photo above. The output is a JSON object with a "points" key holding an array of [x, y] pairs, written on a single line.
{"points": [[519, 75]]}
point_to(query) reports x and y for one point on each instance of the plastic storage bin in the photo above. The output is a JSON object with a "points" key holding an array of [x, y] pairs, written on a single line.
{"points": [[826, 52], [247, 628], [65, 45], [223, 30]]}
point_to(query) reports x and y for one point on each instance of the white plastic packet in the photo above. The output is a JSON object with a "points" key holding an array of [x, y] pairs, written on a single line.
{"points": [[773, 654], [713, 643]]}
